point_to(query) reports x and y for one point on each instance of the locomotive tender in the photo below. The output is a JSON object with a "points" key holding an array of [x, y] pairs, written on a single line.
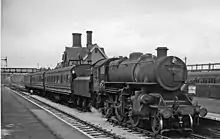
{"points": [[141, 89]]}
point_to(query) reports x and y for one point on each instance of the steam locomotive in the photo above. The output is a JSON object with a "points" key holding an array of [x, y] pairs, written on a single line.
{"points": [[140, 89]]}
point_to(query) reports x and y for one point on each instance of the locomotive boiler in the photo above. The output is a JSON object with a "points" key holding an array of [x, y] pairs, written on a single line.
{"points": [[168, 71], [146, 88]]}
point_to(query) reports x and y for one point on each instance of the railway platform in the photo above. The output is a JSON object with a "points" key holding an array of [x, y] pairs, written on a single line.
{"points": [[212, 105], [24, 120]]}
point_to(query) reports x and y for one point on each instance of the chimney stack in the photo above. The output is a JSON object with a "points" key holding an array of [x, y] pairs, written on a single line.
{"points": [[89, 38], [76, 39], [161, 51]]}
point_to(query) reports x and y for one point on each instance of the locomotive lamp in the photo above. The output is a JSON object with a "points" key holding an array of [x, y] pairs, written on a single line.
{"points": [[73, 71]]}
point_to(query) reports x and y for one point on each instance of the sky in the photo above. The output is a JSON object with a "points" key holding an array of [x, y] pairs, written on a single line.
{"points": [[34, 33]]}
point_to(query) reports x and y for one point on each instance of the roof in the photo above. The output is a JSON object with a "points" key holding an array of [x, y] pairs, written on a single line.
{"points": [[93, 48], [61, 69], [74, 52]]}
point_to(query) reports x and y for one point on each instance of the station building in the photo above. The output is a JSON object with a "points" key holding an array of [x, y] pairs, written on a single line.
{"points": [[77, 54]]}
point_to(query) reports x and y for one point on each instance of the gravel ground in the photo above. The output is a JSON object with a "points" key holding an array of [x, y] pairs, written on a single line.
{"points": [[94, 118]]}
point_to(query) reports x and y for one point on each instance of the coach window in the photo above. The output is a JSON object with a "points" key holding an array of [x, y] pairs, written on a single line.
{"points": [[199, 80], [203, 80], [214, 81], [68, 78], [64, 78]]}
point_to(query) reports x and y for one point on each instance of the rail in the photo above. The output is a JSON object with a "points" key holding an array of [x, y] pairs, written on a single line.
{"points": [[204, 67]]}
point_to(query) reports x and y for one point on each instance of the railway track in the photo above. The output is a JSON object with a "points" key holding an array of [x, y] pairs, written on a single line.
{"points": [[93, 130], [86, 128]]}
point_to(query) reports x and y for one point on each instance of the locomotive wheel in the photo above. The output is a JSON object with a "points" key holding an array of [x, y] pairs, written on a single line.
{"points": [[79, 103], [135, 120], [73, 101], [118, 114], [108, 109], [84, 104], [98, 101], [156, 123]]}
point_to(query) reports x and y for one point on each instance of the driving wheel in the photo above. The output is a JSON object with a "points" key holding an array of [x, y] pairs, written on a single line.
{"points": [[156, 123], [108, 109], [84, 104], [135, 120]]}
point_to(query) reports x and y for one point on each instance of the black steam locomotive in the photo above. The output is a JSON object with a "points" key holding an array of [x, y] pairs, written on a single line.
{"points": [[139, 89]]}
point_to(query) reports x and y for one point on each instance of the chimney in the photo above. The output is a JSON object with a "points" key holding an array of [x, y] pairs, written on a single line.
{"points": [[77, 39], [89, 38], [161, 51]]}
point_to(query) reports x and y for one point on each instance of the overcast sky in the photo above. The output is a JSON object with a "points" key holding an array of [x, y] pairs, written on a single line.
{"points": [[37, 31]]}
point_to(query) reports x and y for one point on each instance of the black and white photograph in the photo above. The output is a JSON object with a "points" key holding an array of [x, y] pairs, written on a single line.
{"points": [[110, 69]]}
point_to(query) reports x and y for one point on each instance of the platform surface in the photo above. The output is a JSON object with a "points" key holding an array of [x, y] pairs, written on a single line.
{"points": [[212, 105], [23, 120]]}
